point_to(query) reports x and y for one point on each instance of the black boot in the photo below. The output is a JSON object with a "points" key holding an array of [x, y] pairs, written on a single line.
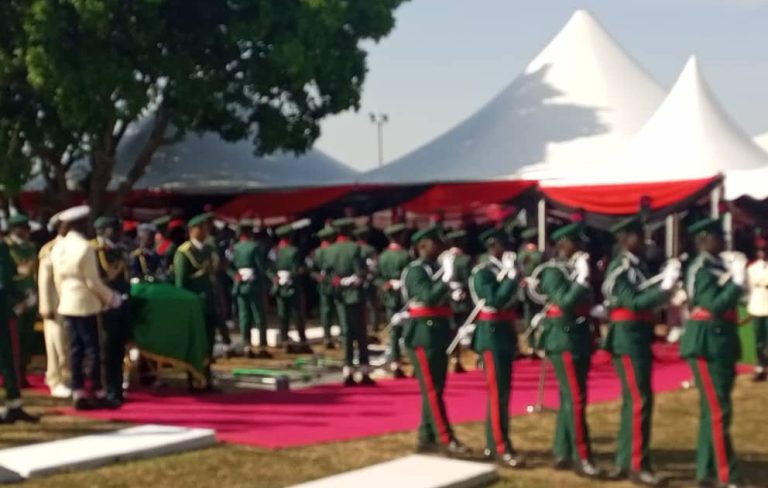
{"points": [[617, 474], [646, 478], [760, 376], [349, 380], [263, 354], [367, 381], [562, 464], [586, 469], [456, 448], [18, 414]]}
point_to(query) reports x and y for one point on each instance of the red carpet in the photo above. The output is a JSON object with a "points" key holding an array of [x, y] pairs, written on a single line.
{"points": [[333, 413]]}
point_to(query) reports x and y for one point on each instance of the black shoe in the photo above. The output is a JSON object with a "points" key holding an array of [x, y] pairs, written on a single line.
{"points": [[107, 403], [399, 374], [586, 469], [367, 381], [84, 404], [304, 349], [456, 448], [617, 474], [646, 478], [350, 381], [562, 464], [424, 447], [329, 345], [263, 354], [248, 353], [18, 414], [760, 377], [509, 459]]}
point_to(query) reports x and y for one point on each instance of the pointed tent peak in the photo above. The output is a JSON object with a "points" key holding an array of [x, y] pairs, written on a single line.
{"points": [[689, 136]]}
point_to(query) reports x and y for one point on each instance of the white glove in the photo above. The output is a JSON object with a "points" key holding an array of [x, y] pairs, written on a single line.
{"points": [[31, 300], [581, 265], [466, 339], [671, 274], [283, 278], [508, 264], [457, 295], [352, 280], [395, 284], [115, 301], [449, 260], [399, 318], [739, 270]]}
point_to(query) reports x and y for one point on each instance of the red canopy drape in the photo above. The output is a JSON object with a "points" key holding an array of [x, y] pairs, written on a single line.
{"points": [[622, 199], [276, 203], [466, 197]]}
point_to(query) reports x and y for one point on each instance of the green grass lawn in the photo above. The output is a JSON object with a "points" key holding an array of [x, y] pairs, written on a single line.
{"points": [[675, 427]]}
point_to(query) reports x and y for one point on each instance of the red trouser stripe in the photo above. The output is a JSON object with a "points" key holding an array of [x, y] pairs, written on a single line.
{"points": [[434, 405], [576, 398], [13, 328], [637, 414], [718, 436], [493, 392]]}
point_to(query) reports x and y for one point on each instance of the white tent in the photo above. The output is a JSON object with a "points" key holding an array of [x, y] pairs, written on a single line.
{"points": [[208, 164], [576, 104], [762, 141], [690, 136]]}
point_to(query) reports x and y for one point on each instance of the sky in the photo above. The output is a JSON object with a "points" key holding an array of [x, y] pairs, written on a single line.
{"points": [[446, 58]]}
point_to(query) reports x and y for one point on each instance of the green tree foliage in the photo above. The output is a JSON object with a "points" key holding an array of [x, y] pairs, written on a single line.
{"points": [[75, 73]]}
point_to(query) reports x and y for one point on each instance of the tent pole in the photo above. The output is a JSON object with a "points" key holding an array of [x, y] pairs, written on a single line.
{"points": [[542, 222], [728, 230], [670, 234], [714, 202]]}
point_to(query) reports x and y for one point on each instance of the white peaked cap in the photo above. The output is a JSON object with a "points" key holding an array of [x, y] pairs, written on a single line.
{"points": [[73, 214]]}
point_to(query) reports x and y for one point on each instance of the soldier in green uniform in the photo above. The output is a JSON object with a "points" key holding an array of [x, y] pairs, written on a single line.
{"points": [[288, 271], [567, 341], [392, 261], [146, 264], [630, 335], [428, 335], [115, 323], [461, 302], [15, 412], [369, 290], [710, 343], [248, 271], [529, 258], [345, 264], [494, 282], [24, 290], [193, 269], [324, 287]]}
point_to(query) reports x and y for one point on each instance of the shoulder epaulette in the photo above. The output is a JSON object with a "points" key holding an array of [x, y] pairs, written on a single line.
{"points": [[185, 246]]}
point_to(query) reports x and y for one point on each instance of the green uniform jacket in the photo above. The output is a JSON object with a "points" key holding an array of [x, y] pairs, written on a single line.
{"points": [[24, 255], [462, 269], [288, 259], [625, 273], [247, 254], [324, 285], [7, 272], [567, 332], [392, 262], [194, 271], [716, 338], [341, 259], [113, 265], [419, 290], [499, 296]]}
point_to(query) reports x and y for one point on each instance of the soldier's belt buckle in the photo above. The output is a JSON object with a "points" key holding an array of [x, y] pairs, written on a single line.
{"points": [[430, 323]]}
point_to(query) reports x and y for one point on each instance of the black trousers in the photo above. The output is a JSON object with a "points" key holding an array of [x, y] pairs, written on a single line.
{"points": [[84, 352], [117, 330]]}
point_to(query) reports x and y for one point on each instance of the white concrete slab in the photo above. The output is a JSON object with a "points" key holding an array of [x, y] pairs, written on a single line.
{"points": [[95, 450], [314, 335], [415, 471]]}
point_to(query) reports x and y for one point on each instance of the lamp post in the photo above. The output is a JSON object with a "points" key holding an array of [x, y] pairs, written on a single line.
{"points": [[380, 119]]}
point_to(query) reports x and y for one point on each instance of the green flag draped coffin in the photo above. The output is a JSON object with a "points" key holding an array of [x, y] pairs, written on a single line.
{"points": [[169, 326]]}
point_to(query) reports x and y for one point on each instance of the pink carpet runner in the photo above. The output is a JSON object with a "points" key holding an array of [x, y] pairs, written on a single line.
{"points": [[333, 413]]}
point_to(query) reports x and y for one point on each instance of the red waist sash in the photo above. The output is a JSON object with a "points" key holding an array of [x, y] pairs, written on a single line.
{"points": [[627, 315], [701, 313], [554, 312], [500, 315], [423, 312]]}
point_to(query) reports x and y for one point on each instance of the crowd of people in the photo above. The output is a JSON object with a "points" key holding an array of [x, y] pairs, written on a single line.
{"points": [[437, 293]]}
